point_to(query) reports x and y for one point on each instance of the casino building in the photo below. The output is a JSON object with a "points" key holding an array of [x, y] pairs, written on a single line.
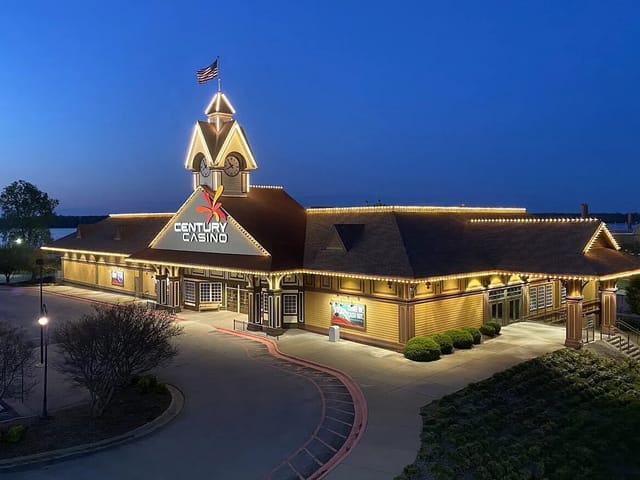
{"points": [[384, 273]]}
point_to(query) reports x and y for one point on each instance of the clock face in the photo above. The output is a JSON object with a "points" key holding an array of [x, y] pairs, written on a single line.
{"points": [[204, 169], [232, 165]]}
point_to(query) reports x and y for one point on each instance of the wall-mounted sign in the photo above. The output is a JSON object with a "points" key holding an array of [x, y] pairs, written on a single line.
{"points": [[117, 278], [348, 314]]}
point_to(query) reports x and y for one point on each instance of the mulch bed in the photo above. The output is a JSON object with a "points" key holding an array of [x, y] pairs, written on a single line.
{"points": [[73, 426]]}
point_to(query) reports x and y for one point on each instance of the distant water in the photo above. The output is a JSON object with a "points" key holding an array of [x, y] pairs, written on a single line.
{"points": [[57, 233]]}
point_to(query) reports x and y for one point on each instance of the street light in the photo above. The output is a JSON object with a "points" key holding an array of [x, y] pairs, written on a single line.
{"points": [[44, 321], [43, 312]]}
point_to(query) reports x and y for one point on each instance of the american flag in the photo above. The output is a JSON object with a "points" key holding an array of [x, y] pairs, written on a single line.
{"points": [[208, 73]]}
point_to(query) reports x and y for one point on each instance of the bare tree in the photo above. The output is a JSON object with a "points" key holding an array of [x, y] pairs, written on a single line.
{"points": [[104, 349], [16, 361]]}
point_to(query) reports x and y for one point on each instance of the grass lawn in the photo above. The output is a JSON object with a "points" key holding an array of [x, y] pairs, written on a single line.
{"points": [[570, 414], [75, 426]]}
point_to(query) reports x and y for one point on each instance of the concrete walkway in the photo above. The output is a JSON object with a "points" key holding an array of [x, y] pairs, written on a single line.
{"points": [[395, 388]]}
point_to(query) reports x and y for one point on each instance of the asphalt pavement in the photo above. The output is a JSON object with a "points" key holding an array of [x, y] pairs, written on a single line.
{"points": [[243, 416]]}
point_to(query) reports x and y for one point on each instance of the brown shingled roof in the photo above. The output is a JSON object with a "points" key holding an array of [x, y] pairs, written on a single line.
{"points": [[274, 219], [124, 234], [424, 244]]}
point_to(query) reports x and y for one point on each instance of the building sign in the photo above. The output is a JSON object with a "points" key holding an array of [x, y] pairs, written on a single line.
{"points": [[206, 231], [348, 314], [203, 225], [117, 278]]}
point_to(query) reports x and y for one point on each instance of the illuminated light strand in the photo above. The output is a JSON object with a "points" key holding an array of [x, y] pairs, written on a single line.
{"points": [[533, 220], [248, 235], [139, 215], [274, 187], [84, 252], [416, 208]]}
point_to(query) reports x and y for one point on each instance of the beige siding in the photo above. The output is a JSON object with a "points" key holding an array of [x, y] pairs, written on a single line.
{"points": [[441, 315], [381, 317], [589, 292]]}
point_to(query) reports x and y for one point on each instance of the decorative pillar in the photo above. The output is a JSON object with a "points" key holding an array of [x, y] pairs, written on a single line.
{"points": [[161, 289], [486, 308], [255, 300], [173, 299], [275, 300], [406, 322], [608, 307], [573, 336]]}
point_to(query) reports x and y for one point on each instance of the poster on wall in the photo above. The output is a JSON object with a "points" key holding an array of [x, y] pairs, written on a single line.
{"points": [[348, 314], [117, 278]]}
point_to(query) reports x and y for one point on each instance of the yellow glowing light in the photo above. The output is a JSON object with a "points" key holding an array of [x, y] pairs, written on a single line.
{"points": [[84, 252], [602, 229], [533, 220], [414, 209], [274, 187], [140, 215]]}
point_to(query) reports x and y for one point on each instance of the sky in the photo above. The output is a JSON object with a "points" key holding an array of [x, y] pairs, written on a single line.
{"points": [[483, 103]]}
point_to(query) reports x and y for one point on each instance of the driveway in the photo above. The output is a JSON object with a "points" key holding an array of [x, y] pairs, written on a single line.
{"points": [[245, 415]]}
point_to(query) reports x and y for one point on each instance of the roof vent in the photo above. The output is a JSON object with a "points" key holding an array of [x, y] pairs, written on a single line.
{"points": [[344, 236]]}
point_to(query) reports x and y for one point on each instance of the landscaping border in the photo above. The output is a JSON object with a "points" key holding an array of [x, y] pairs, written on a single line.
{"points": [[53, 456]]}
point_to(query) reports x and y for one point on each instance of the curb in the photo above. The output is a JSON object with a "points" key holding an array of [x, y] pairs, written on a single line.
{"points": [[54, 456], [359, 401]]}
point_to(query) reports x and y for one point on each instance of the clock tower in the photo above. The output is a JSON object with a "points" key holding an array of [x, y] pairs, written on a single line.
{"points": [[219, 152]]}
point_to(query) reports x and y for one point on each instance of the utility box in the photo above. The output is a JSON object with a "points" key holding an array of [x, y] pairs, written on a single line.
{"points": [[334, 333]]}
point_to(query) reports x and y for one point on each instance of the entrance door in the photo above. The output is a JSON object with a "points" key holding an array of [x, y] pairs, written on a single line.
{"points": [[496, 311], [235, 295], [514, 310]]}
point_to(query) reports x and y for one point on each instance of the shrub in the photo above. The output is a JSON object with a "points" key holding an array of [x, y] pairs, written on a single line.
{"points": [[496, 325], [422, 349], [15, 434], [444, 341], [488, 330], [475, 333], [460, 338], [146, 383]]}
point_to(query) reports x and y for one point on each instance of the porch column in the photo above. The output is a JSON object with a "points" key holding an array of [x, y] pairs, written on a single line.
{"points": [[255, 300], [174, 292], [608, 306], [573, 336]]}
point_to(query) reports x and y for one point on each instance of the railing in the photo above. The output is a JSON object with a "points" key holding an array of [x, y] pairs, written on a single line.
{"points": [[623, 330]]}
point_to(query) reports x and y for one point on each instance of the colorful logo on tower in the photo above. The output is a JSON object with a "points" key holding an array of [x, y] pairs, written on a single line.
{"points": [[214, 208], [213, 229]]}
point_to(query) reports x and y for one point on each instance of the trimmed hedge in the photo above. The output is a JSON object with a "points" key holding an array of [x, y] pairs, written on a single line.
{"points": [[422, 349], [487, 330], [15, 434], [496, 325], [444, 341], [460, 338], [475, 333]]}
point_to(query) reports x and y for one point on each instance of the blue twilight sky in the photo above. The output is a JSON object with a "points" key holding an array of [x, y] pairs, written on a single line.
{"points": [[514, 103]]}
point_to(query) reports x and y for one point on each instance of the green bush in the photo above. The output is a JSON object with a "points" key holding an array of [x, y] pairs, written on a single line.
{"points": [[460, 338], [487, 330], [15, 434], [475, 333], [147, 383], [496, 325], [422, 349], [444, 341]]}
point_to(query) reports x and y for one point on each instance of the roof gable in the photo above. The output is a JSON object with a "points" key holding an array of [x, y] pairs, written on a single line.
{"points": [[203, 225]]}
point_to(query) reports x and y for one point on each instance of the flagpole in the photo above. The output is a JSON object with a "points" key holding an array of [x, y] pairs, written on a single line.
{"points": [[219, 79]]}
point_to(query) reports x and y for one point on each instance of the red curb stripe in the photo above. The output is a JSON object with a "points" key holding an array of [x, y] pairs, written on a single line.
{"points": [[359, 401]]}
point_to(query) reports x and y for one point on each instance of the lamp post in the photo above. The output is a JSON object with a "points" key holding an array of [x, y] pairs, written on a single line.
{"points": [[40, 263], [44, 321]]}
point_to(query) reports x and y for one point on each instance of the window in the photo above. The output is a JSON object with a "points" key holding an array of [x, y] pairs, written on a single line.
{"points": [[189, 289], [265, 302], [496, 294], [290, 304], [514, 291], [533, 298], [211, 292], [548, 295], [563, 295]]}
